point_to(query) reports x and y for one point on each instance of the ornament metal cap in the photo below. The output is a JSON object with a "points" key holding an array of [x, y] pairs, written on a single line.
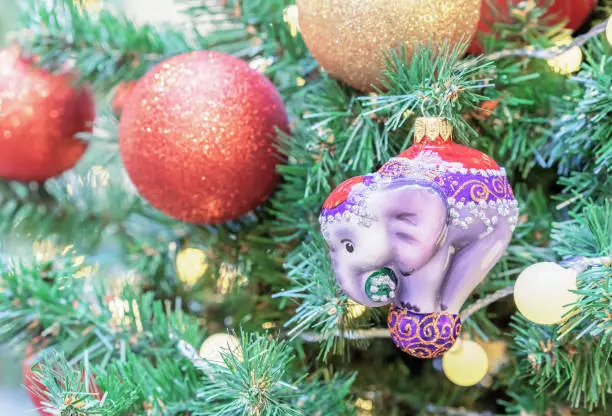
{"points": [[432, 129]]}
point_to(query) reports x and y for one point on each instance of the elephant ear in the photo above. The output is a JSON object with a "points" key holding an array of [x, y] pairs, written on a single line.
{"points": [[415, 219]]}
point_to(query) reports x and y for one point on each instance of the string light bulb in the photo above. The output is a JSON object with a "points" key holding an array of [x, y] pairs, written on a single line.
{"points": [[556, 282], [229, 278], [191, 265], [609, 30], [291, 17], [568, 61], [466, 363], [217, 345]]}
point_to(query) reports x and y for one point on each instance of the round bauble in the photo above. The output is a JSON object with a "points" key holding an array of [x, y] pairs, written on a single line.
{"points": [[466, 364], [197, 137], [350, 37], [191, 264], [40, 113], [575, 12], [217, 345], [543, 294], [567, 62]]}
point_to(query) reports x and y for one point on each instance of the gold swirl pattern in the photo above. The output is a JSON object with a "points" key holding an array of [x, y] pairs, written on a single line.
{"points": [[461, 186], [499, 185], [423, 335], [483, 189]]}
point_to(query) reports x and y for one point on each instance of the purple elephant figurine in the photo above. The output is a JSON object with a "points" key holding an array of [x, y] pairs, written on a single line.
{"points": [[421, 233]]}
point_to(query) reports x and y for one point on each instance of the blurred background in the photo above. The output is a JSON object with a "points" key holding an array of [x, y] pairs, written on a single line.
{"points": [[13, 398]]}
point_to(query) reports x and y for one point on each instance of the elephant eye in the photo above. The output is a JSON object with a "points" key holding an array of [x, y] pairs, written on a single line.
{"points": [[348, 245]]}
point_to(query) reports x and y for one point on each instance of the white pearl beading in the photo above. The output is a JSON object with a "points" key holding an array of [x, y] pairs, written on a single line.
{"points": [[421, 168]]}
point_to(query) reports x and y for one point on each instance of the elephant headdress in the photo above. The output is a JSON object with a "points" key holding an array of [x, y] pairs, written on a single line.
{"points": [[421, 233]]}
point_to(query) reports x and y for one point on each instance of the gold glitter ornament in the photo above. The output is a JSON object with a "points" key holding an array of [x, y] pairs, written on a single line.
{"points": [[349, 37]]}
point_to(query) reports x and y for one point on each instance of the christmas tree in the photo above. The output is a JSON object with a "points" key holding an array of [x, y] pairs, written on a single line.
{"points": [[238, 207]]}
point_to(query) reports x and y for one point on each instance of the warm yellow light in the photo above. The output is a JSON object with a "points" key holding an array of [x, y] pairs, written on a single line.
{"points": [[216, 344], [543, 294], [119, 309], [466, 363], [86, 271], [354, 310], [229, 277], [191, 265], [45, 250], [609, 30], [291, 17], [261, 64], [497, 354], [98, 176], [89, 4], [364, 406], [567, 62]]}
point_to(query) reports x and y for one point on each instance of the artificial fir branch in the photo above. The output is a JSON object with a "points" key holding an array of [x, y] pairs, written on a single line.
{"points": [[66, 390], [551, 52], [103, 332], [254, 380], [334, 140], [410, 89], [106, 47]]}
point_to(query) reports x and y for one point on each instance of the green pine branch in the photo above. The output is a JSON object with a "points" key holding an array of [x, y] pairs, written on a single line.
{"points": [[257, 380]]}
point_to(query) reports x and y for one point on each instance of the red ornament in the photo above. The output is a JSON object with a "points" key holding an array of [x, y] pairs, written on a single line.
{"points": [[197, 137], [39, 115], [34, 387], [341, 193], [574, 11], [451, 152], [123, 93]]}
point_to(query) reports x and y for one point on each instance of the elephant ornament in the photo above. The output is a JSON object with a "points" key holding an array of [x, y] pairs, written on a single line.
{"points": [[420, 234]]}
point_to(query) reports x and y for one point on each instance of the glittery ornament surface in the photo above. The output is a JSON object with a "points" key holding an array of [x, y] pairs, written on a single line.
{"points": [[197, 137], [39, 115], [423, 335], [349, 37]]}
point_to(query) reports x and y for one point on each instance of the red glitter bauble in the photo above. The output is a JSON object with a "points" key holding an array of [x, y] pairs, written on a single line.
{"points": [[575, 12], [39, 115], [197, 137]]}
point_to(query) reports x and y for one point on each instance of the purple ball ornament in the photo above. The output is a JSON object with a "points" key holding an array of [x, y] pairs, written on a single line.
{"points": [[421, 233]]}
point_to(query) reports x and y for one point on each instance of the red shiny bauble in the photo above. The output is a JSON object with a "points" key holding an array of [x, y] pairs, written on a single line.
{"points": [[197, 137], [575, 12], [39, 115]]}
